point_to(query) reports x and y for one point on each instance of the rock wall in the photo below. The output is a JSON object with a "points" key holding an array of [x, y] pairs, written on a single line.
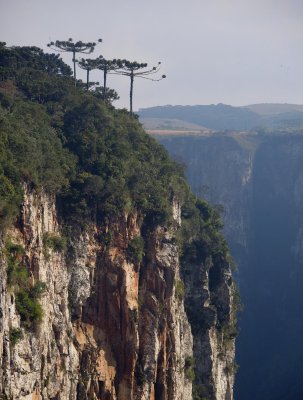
{"points": [[112, 327], [258, 180], [219, 168]]}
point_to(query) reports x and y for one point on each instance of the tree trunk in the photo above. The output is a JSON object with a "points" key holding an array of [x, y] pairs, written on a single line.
{"points": [[131, 92], [104, 83], [87, 79], [74, 61]]}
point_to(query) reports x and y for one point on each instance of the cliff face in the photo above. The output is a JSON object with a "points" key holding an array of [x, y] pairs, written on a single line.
{"points": [[258, 180], [115, 279], [113, 327], [219, 168]]}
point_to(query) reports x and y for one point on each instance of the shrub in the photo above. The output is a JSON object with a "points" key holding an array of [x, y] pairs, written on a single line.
{"points": [[15, 334], [237, 303], [180, 289], [13, 249], [38, 290], [54, 241], [135, 249], [28, 305], [200, 392], [189, 368], [26, 296], [17, 274], [29, 308], [230, 331], [10, 199]]}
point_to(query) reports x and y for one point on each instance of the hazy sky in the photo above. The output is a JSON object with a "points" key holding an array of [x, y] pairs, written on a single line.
{"points": [[213, 51]]}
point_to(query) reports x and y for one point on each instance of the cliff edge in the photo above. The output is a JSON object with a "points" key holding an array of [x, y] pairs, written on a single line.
{"points": [[115, 278]]}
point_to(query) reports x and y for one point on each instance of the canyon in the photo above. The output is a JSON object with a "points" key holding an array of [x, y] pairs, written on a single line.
{"points": [[257, 177]]}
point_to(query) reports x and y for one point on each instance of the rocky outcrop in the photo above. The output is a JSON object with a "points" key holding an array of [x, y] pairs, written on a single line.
{"points": [[210, 301], [114, 326], [44, 363]]}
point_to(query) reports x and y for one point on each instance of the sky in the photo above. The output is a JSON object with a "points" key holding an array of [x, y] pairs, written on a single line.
{"points": [[236, 52]]}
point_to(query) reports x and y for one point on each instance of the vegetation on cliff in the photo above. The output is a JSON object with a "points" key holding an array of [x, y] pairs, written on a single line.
{"points": [[98, 163], [96, 159], [26, 293]]}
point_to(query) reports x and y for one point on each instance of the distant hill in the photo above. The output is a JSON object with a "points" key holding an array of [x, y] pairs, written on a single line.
{"points": [[222, 117], [217, 117], [168, 124], [274, 108]]}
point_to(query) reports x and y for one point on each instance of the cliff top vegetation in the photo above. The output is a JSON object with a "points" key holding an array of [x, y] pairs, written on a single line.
{"points": [[95, 159]]}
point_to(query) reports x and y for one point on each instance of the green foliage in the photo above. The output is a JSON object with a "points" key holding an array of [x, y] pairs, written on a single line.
{"points": [[203, 246], [17, 62], [10, 198], [99, 163], [28, 307], [229, 331], [109, 95], [73, 47], [38, 289], [130, 169], [26, 295], [189, 371], [15, 335], [98, 160], [180, 289], [31, 151], [54, 241], [17, 274], [135, 249], [201, 236], [27, 304], [200, 392], [13, 250]]}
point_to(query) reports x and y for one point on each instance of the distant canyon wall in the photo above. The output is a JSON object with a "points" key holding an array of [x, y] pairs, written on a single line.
{"points": [[258, 179]]}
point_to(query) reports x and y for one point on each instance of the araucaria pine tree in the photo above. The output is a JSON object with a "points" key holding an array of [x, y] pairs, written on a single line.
{"points": [[70, 46], [108, 66], [133, 69], [88, 65]]}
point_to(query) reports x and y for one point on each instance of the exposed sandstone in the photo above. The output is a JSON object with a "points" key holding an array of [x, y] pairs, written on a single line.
{"points": [[112, 328]]}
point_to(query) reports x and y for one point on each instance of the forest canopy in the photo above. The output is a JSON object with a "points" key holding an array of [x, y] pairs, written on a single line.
{"points": [[96, 160], [69, 142]]}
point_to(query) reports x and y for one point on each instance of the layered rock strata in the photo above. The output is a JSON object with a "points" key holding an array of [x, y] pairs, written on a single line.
{"points": [[113, 327]]}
